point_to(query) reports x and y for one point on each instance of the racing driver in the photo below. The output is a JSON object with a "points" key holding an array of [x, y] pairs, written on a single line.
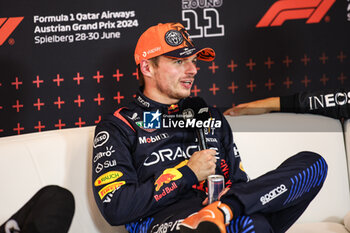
{"points": [[151, 176]]}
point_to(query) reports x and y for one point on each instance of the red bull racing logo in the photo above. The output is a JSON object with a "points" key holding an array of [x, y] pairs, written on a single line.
{"points": [[167, 176], [170, 174], [173, 108]]}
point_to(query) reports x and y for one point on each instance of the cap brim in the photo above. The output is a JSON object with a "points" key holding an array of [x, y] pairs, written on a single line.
{"points": [[206, 54]]}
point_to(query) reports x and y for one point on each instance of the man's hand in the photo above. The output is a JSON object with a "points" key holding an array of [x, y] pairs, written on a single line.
{"points": [[203, 163], [255, 107]]}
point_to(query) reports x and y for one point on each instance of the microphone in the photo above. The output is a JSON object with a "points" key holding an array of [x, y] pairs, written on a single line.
{"points": [[196, 108], [202, 139]]}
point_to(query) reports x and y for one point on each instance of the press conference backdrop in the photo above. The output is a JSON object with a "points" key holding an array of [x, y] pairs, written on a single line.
{"points": [[65, 63]]}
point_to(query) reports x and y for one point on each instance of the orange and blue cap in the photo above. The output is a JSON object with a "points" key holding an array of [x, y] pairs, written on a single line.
{"points": [[171, 40]]}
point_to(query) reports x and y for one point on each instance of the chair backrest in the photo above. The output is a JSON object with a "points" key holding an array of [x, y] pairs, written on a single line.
{"points": [[60, 157], [63, 157], [264, 141], [347, 142]]}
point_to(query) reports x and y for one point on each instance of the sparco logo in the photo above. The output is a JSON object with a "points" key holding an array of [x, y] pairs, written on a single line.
{"points": [[283, 10], [152, 139], [273, 194], [7, 26], [101, 138]]}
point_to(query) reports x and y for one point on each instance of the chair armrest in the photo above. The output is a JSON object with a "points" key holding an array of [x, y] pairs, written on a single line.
{"points": [[347, 221]]}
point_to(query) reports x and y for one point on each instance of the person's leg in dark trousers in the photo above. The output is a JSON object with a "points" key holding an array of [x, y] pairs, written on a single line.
{"points": [[50, 210], [249, 224], [279, 197]]}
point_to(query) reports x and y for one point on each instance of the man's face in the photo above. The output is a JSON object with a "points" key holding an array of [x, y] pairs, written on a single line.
{"points": [[173, 78]]}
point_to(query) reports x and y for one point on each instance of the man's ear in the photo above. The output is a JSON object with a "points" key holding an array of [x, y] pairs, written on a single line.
{"points": [[146, 68]]}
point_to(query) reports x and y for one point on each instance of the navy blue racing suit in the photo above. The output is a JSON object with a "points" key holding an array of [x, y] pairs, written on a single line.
{"points": [[140, 177]]}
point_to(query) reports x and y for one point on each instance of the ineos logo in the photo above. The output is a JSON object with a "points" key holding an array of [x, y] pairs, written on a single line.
{"points": [[329, 100], [101, 138]]}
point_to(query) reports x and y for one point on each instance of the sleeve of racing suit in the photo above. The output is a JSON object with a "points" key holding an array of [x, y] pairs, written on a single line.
{"points": [[119, 194], [332, 103], [232, 160]]}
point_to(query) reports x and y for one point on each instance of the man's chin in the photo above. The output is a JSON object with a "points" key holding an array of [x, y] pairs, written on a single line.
{"points": [[182, 95], [185, 95]]}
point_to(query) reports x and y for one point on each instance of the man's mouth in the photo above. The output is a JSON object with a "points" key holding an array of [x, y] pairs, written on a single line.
{"points": [[187, 84]]}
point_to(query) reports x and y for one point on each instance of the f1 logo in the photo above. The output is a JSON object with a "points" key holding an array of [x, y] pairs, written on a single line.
{"points": [[284, 10], [7, 26]]}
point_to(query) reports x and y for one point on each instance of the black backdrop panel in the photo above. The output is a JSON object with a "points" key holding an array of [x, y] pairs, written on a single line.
{"points": [[66, 63]]}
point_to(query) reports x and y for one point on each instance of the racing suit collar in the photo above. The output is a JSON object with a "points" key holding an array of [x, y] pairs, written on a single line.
{"points": [[149, 104]]}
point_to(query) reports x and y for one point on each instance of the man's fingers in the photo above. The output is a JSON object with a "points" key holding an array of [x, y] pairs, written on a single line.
{"points": [[203, 163], [206, 201], [223, 192]]}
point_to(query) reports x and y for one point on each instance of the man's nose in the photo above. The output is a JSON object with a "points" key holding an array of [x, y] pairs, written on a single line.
{"points": [[191, 68]]}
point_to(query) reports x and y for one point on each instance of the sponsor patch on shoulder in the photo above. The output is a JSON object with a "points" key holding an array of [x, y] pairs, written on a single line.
{"points": [[101, 138], [108, 178], [110, 188]]}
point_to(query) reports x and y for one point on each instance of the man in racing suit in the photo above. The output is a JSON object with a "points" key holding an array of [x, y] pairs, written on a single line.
{"points": [[149, 174]]}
